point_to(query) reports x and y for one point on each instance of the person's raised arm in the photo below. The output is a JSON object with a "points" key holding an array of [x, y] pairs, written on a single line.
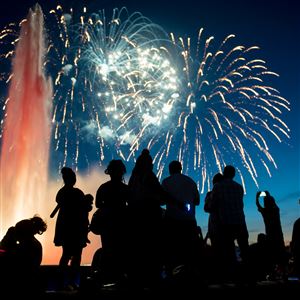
{"points": [[259, 207]]}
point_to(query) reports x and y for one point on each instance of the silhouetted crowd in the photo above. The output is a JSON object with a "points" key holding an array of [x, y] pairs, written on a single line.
{"points": [[149, 233]]}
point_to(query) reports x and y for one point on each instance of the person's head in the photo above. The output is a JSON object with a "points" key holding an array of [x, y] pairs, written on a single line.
{"points": [[217, 178], [116, 169], [261, 238], [68, 175], [144, 162], [38, 224], [229, 172], [175, 167], [89, 198], [27, 228]]}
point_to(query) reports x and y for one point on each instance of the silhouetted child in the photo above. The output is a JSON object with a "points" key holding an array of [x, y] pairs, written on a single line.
{"points": [[88, 206], [71, 227], [214, 219], [214, 229]]}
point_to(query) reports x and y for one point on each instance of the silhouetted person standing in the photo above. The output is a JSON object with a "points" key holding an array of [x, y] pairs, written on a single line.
{"points": [[181, 233], [112, 199], [295, 247], [214, 230], [145, 215], [213, 220], [227, 198], [21, 257], [271, 216], [87, 207], [71, 227]]}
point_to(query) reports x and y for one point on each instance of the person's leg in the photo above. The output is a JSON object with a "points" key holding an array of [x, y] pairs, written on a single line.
{"points": [[63, 267], [242, 240], [75, 267], [228, 253], [242, 237], [65, 257]]}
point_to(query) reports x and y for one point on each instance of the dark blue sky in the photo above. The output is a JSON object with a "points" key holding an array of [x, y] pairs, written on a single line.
{"points": [[272, 25]]}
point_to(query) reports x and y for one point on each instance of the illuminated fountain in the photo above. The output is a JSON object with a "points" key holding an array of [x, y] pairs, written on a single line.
{"points": [[27, 128]]}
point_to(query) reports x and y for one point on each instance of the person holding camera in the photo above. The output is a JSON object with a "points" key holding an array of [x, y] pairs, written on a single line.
{"points": [[275, 240]]}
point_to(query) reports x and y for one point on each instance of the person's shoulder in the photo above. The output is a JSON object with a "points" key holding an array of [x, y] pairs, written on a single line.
{"points": [[237, 184], [36, 242], [104, 185], [189, 180], [151, 178], [124, 186], [78, 190], [241, 187], [62, 190], [151, 174], [166, 179], [61, 193], [9, 233], [188, 177], [219, 185]]}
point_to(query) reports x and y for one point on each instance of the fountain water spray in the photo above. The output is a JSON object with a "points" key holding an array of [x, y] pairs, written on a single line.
{"points": [[27, 128]]}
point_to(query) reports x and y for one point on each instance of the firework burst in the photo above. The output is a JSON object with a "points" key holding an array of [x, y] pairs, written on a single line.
{"points": [[226, 110], [121, 84], [114, 83]]}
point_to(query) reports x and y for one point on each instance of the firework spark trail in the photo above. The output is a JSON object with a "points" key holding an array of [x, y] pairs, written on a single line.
{"points": [[224, 109], [26, 134], [129, 64], [114, 82], [119, 86]]}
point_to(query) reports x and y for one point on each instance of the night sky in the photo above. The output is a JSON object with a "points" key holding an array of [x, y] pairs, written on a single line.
{"points": [[274, 26]]}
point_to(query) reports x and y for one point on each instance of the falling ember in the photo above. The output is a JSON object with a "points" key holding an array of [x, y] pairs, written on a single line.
{"points": [[26, 134]]}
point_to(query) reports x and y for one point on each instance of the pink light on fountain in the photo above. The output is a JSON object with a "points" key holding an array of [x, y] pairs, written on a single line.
{"points": [[27, 128]]}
